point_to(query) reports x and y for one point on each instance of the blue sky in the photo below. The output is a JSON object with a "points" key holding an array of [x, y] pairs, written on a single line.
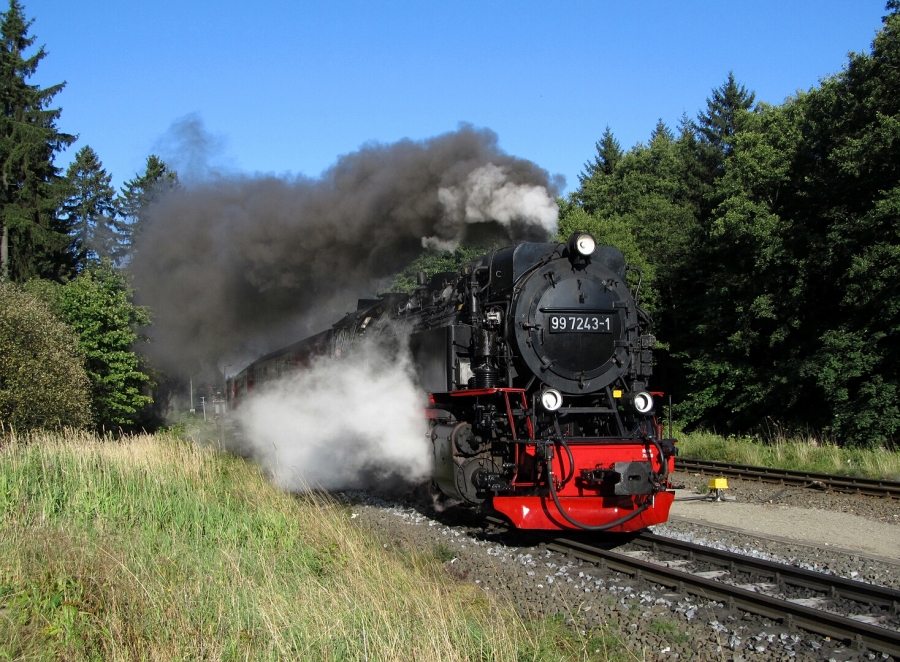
{"points": [[286, 87]]}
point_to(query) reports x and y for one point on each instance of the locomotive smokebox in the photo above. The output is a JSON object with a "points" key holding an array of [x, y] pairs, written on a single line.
{"points": [[576, 322]]}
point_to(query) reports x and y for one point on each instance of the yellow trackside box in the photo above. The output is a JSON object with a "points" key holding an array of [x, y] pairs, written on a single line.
{"points": [[718, 483]]}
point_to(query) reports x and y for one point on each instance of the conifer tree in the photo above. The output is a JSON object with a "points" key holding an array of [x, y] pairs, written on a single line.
{"points": [[33, 240], [90, 209], [661, 132], [609, 154], [724, 115], [135, 198]]}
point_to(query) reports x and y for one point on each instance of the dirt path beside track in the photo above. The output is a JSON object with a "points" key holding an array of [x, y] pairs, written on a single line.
{"points": [[761, 509]]}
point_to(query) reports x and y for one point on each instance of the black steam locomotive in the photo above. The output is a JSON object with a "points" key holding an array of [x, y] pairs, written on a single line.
{"points": [[535, 359]]}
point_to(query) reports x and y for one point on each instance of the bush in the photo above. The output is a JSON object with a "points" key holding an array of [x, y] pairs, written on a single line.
{"points": [[43, 383], [97, 306]]}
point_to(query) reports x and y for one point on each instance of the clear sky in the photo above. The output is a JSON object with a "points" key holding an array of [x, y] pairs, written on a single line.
{"points": [[286, 87]]}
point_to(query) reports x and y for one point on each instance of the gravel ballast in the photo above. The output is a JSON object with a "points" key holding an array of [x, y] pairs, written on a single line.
{"points": [[652, 622]]}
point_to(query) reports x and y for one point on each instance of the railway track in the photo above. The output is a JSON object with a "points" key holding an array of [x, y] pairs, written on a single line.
{"points": [[785, 594], [845, 484]]}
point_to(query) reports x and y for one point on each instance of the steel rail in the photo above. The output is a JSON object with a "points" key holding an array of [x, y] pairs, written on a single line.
{"points": [[848, 630], [845, 484], [779, 573]]}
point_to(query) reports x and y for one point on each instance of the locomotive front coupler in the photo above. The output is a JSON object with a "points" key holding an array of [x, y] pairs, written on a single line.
{"points": [[623, 479]]}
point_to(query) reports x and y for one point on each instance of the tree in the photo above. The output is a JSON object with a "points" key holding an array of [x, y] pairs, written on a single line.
{"points": [[800, 315], [42, 379], [90, 209], [771, 236], [97, 306], [725, 115], [742, 342], [647, 192], [609, 153], [661, 132], [434, 262], [34, 241], [136, 197]]}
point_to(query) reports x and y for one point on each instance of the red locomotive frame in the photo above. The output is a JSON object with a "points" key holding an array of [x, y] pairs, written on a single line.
{"points": [[531, 504]]}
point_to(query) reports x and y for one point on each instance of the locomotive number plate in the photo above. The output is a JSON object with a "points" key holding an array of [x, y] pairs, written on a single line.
{"points": [[580, 323]]}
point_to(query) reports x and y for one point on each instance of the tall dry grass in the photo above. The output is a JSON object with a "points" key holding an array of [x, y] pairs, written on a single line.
{"points": [[154, 548], [800, 453]]}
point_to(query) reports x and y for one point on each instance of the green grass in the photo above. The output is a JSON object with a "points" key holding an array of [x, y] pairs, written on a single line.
{"points": [[799, 453], [155, 548]]}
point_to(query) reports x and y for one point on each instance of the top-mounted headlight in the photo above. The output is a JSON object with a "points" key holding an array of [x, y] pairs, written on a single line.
{"points": [[582, 243]]}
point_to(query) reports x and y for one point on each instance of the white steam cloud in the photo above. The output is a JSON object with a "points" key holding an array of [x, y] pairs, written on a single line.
{"points": [[341, 424], [489, 195]]}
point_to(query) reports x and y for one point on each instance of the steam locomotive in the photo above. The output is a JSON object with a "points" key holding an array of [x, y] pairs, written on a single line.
{"points": [[535, 359]]}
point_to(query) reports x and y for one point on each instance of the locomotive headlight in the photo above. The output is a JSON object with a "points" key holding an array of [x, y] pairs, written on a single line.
{"points": [[551, 399], [642, 402], [584, 244]]}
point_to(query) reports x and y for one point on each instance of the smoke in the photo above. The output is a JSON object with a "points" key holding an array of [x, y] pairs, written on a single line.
{"points": [[341, 424], [488, 195], [193, 152], [233, 266]]}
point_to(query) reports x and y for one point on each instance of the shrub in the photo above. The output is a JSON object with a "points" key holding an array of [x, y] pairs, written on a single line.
{"points": [[97, 305], [43, 383]]}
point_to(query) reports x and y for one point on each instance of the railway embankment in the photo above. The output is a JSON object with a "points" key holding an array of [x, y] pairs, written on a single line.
{"points": [[152, 547], [800, 453]]}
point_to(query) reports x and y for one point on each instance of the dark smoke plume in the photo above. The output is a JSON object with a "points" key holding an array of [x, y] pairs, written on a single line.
{"points": [[238, 265]]}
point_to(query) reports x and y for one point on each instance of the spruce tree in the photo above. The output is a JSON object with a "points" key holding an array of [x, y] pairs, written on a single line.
{"points": [[90, 209], [724, 115], [34, 241], [136, 197], [661, 132], [609, 154]]}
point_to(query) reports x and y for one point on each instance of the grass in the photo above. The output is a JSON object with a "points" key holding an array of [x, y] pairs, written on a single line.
{"points": [[669, 631], [778, 451], [155, 548]]}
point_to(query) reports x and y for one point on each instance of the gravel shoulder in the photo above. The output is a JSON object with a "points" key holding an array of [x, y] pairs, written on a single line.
{"points": [[826, 519], [813, 526]]}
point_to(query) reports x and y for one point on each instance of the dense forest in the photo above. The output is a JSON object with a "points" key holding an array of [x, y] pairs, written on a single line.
{"points": [[768, 237]]}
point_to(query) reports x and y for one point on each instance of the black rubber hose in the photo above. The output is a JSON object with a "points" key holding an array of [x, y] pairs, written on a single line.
{"points": [[588, 527], [562, 441], [663, 460]]}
